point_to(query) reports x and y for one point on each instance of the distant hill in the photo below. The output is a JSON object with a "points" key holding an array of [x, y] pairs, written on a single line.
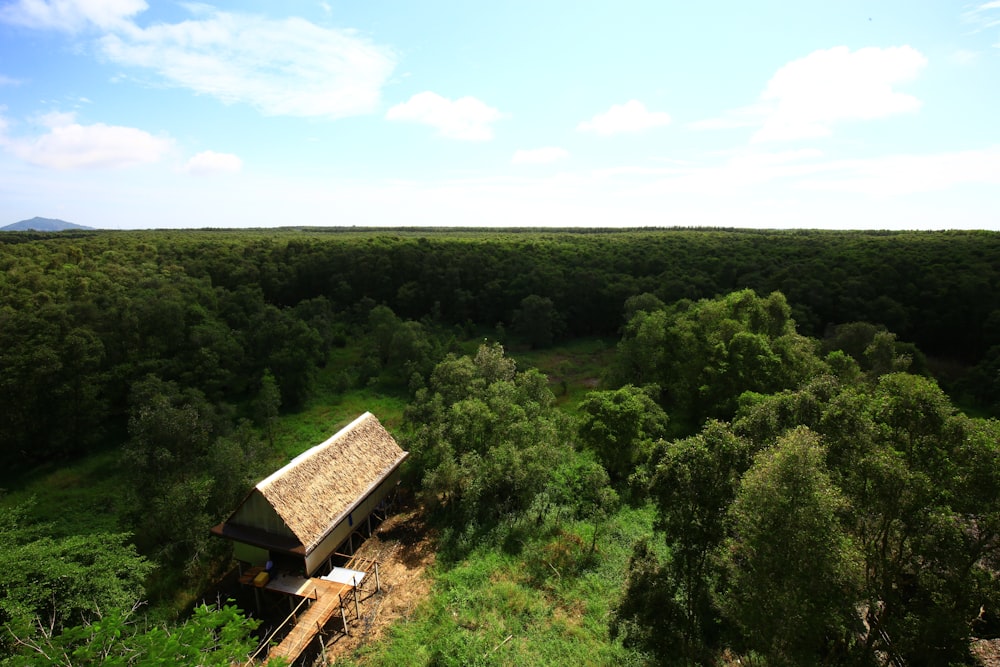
{"points": [[42, 225]]}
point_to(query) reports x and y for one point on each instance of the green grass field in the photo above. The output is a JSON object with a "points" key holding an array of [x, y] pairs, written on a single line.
{"points": [[82, 497], [573, 368], [525, 595]]}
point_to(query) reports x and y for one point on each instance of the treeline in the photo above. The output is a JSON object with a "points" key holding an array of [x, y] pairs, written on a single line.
{"points": [[84, 316]]}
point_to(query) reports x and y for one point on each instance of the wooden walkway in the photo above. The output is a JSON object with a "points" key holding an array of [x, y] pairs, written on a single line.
{"points": [[326, 603], [338, 591]]}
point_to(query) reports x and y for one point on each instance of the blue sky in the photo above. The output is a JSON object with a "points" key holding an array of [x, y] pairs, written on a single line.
{"points": [[859, 115]]}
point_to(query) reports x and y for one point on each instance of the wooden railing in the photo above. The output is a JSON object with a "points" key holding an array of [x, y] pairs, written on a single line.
{"points": [[267, 642]]}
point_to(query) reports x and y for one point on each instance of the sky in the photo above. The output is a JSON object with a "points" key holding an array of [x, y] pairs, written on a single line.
{"points": [[875, 114]]}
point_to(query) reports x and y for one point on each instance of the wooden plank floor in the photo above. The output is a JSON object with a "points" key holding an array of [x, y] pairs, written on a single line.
{"points": [[310, 623]]}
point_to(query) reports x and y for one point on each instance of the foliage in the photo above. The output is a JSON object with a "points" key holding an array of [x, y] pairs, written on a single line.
{"points": [[50, 583], [621, 426], [874, 349], [163, 340], [212, 636], [695, 482], [794, 574], [83, 316], [863, 477], [267, 404], [486, 435], [904, 460], [186, 469], [704, 355], [982, 384], [650, 617], [537, 320]]}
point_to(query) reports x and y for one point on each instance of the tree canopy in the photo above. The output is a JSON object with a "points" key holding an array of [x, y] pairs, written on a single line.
{"points": [[770, 400]]}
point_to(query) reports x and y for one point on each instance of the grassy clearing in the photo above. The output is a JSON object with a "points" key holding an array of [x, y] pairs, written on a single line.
{"points": [[539, 586], [81, 498], [574, 368], [324, 415]]}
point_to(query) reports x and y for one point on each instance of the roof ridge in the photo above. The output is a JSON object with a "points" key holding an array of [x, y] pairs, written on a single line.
{"points": [[310, 453]]}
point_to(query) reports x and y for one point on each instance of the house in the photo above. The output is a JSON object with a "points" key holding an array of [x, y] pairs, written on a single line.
{"points": [[303, 512]]}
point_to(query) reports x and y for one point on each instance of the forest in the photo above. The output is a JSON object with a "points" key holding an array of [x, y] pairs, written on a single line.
{"points": [[784, 449]]}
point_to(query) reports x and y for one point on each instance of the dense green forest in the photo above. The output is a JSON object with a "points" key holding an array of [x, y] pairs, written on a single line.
{"points": [[788, 455]]}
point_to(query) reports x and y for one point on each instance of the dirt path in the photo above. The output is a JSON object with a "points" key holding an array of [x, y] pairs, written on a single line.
{"points": [[987, 652], [404, 548]]}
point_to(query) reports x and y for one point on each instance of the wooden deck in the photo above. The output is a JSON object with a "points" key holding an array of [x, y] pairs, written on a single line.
{"points": [[326, 602]]}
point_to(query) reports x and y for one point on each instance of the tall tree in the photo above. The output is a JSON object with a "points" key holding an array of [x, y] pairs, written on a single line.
{"points": [[621, 426], [184, 469], [794, 573], [211, 637], [537, 320], [705, 354], [695, 482], [922, 498], [487, 436], [267, 404]]}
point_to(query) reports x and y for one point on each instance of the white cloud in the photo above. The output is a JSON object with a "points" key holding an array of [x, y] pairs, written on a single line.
{"points": [[539, 155], [280, 67], [629, 117], [964, 57], [902, 175], [982, 14], [751, 116], [752, 171], [985, 16], [466, 118], [8, 81], [620, 118], [807, 97], [70, 15], [210, 162], [69, 145]]}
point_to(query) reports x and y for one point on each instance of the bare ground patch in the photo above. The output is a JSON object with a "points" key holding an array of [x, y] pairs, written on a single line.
{"points": [[986, 652], [404, 548]]}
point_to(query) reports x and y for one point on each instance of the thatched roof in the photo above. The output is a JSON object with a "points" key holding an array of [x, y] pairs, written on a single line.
{"points": [[318, 488]]}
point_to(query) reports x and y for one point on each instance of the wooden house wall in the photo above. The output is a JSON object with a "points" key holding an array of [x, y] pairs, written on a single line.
{"points": [[257, 512]]}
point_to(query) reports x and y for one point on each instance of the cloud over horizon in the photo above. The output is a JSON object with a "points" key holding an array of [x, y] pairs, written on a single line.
{"points": [[622, 118], [67, 145], [287, 67], [544, 155], [466, 119], [807, 97], [210, 162]]}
